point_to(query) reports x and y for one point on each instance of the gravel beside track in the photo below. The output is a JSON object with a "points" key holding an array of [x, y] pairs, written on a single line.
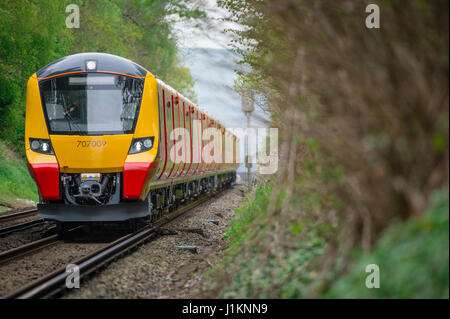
{"points": [[18, 272], [159, 269], [22, 237]]}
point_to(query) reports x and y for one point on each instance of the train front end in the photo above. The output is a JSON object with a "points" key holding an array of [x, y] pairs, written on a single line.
{"points": [[91, 138]]}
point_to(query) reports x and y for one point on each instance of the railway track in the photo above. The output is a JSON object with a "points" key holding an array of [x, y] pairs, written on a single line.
{"points": [[19, 227], [19, 215], [33, 246], [28, 248], [54, 283]]}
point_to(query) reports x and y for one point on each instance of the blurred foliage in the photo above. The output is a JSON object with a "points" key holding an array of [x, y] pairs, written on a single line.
{"points": [[412, 258], [364, 133], [275, 275], [34, 33], [275, 255]]}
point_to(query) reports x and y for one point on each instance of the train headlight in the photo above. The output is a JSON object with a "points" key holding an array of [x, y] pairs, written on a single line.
{"points": [[35, 145], [139, 145], [91, 65], [42, 146], [148, 143]]}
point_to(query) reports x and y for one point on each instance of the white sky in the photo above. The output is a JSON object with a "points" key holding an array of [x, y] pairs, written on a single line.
{"points": [[209, 33], [214, 70]]}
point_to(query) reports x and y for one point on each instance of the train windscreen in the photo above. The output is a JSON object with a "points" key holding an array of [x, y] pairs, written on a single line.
{"points": [[91, 103]]}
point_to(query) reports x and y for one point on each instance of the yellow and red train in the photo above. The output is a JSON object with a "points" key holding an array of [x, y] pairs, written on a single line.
{"points": [[98, 138]]}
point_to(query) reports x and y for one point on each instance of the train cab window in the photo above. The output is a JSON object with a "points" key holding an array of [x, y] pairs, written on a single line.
{"points": [[92, 104]]}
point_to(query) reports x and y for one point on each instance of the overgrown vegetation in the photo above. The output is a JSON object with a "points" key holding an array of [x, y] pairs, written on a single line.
{"points": [[363, 120], [412, 257], [34, 33], [252, 281]]}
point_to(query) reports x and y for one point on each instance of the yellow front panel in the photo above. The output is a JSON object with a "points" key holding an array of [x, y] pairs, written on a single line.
{"points": [[148, 121], [91, 154], [84, 154], [38, 158], [146, 126], [35, 123]]}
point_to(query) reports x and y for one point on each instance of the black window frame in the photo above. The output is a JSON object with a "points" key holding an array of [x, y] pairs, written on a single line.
{"points": [[99, 133]]}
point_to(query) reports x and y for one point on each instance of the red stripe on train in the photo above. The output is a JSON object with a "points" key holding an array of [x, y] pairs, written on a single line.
{"points": [[46, 176], [134, 175]]}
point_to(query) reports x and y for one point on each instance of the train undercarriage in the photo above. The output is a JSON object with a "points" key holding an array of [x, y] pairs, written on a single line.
{"points": [[91, 197], [168, 198]]}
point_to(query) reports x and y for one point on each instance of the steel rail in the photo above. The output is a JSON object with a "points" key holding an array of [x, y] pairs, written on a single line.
{"points": [[18, 215], [18, 227], [28, 248], [55, 282], [33, 246]]}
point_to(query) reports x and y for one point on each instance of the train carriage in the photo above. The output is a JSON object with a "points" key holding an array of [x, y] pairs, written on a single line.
{"points": [[99, 136]]}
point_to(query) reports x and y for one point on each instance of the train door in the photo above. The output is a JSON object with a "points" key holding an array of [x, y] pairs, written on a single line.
{"points": [[234, 151], [238, 153], [190, 119], [202, 144], [187, 148], [173, 146], [170, 125], [179, 141], [222, 147], [162, 135], [210, 157], [198, 144], [167, 120], [181, 155], [216, 145]]}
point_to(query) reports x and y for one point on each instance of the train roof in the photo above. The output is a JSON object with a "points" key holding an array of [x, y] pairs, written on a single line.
{"points": [[168, 87], [104, 62]]}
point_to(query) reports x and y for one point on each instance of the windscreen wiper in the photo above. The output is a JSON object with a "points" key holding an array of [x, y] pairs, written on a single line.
{"points": [[69, 118]]}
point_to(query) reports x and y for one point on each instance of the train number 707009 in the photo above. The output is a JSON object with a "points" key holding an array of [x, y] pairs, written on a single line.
{"points": [[96, 143]]}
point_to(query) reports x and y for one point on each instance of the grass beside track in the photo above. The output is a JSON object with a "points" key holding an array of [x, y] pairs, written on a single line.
{"points": [[16, 184]]}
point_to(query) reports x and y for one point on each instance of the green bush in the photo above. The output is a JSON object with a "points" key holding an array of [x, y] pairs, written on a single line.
{"points": [[413, 259], [13, 123], [254, 266]]}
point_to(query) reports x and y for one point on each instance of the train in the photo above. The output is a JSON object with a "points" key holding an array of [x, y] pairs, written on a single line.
{"points": [[100, 142]]}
